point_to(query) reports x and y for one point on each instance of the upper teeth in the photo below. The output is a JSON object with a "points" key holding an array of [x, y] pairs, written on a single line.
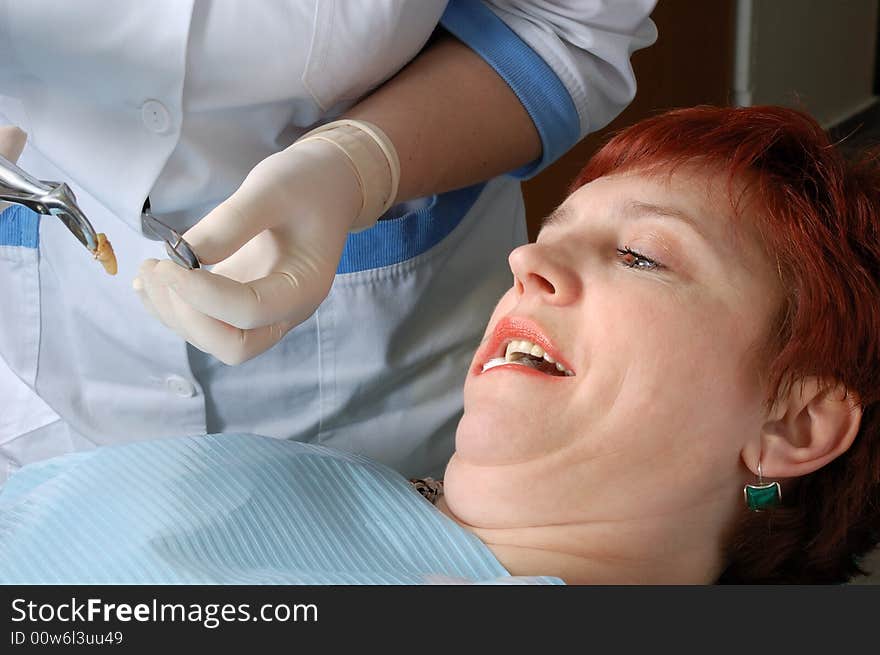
{"points": [[526, 347]]}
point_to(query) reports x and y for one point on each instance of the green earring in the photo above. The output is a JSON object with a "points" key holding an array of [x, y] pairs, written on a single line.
{"points": [[762, 495]]}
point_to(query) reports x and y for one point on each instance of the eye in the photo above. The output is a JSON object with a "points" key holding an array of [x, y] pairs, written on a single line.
{"points": [[633, 259]]}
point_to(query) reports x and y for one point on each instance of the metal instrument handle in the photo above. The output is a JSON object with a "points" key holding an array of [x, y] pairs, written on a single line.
{"points": [[47, 198]]}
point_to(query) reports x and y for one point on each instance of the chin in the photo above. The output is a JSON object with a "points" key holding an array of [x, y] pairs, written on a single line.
{"points": [[475, 438], [499, 435]]}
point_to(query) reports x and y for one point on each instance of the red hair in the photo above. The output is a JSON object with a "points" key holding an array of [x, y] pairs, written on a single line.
{"points": [[819, 217]]}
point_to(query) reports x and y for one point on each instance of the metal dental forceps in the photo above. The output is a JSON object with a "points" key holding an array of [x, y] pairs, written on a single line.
{"points": [[56, 199], [46, 198], [176, 246]]}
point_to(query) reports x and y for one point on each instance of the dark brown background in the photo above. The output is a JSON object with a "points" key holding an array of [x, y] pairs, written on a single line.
{"points": [[691, 63]]}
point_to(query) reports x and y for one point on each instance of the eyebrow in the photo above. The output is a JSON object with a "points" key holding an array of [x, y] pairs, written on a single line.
{"points": [[631, 209], [639, 209], [559, 215]]}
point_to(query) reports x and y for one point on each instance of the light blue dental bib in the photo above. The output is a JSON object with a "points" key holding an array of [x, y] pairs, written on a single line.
{"points": [[230, 509]]}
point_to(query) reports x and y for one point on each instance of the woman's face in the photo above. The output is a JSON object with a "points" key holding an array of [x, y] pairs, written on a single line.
{"points": [[657, 301]]}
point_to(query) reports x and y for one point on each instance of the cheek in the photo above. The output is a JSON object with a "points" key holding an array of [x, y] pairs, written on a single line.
{"points": [[684, 372]]}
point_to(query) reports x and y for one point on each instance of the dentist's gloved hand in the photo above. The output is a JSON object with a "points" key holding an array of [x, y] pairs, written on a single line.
{"points": [[276, 242], [12, 142]]}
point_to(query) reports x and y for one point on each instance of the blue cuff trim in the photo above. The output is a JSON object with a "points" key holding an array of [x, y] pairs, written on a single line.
{"points": [[395, 240], [535, 84], [19, 226]]}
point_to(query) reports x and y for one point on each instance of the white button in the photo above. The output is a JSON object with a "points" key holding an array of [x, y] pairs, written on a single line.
{"points": [[180, 386], [156, 116]]}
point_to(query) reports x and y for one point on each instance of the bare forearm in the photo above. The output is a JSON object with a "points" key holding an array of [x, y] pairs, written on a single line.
{"points": [[452, 119]]}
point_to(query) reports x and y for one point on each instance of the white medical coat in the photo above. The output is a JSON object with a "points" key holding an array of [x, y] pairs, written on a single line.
{"points": [[177, 100]]}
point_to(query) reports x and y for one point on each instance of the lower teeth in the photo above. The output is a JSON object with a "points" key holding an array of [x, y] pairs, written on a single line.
{"points": [[531, 363], [492, 363]]}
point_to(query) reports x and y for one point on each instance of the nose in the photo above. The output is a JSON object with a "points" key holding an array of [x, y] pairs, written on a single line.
{"points": [[537, 272]]}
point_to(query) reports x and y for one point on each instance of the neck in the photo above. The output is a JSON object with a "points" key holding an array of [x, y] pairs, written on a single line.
{"points": [[606, 553]]}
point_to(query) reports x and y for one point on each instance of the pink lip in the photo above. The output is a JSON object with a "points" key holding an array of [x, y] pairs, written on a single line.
{"points": [[509, 328]]}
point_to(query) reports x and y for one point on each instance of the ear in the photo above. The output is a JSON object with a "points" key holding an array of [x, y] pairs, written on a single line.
{"points": [[811, 425]]}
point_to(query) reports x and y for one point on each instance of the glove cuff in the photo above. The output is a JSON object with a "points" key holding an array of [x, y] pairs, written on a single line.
{"points": [[374, 161]]}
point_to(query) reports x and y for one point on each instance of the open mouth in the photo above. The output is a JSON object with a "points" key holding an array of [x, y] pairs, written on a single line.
{"points": [[522, 352]]}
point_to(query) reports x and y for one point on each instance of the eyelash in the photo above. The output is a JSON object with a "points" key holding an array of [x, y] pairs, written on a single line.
{"points": [[639, 258]]}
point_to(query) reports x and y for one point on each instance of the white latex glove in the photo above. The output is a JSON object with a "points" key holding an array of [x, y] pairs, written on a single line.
{"points": [[276, 243], [12, 142]]}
